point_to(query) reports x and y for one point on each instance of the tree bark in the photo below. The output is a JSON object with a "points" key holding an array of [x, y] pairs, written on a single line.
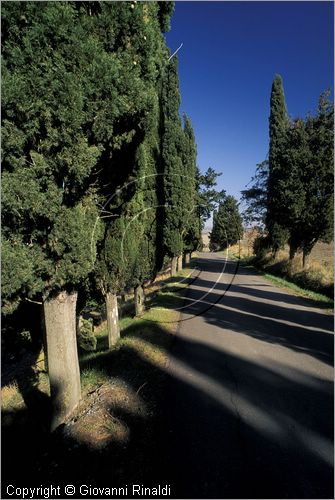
{"points": [[173, 266], [187, 259], [113, 326], [180, 262], [293, 251], [139, 300], [44, 339], [63, 365]]}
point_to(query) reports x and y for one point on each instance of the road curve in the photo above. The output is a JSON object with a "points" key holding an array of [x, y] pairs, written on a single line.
{"points": [[248, 412]]}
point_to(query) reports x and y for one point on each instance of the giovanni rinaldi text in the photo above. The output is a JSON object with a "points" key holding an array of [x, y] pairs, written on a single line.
{"points": [[68, 491]]}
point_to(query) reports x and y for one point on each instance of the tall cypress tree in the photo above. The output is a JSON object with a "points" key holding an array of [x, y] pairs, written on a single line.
{"points": [[278, 124], [49, 208], [305, 187], [172, 154], [192, 224], [319, 174], [227, 225], [78, 100], [291, 187], [145, 221], [133, 143]]}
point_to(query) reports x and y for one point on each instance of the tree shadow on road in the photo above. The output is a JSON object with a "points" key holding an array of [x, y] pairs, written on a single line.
{"points": [[245, 310], [214, 424], [206, 434]]}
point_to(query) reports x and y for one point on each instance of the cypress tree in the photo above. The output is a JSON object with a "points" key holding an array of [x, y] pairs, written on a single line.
{"points": [[165, 10], [305, 188], [142, 223], [137, 202], [278, 124], [49, 208], [255, 197], [318, 219], [291, 188], [172, 153], [79, 96], [192, 226], [227, 225], [110, 274], [217, 234]]}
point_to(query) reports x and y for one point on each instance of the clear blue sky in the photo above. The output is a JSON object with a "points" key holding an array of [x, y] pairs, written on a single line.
{"points": [[230, 55]]}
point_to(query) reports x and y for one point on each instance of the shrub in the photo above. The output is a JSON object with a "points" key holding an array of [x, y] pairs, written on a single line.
{"points": [[86, 338], [261, 246]]}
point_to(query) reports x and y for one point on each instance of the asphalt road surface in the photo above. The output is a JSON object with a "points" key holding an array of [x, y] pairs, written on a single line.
{"points": [[249, 406]]}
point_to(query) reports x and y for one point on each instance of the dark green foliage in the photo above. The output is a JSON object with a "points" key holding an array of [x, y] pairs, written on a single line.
{"points": [[165, 13], [82, 118], [305, 185], [319, 218], [127, 255], [227, 225], [295, 190], [49, 210], [192, 221], [172, 157], [141, 219], [278, 124], [291, 188], [261, 246], [255, 197], [209, 197], [110, 270], [86, 338]]}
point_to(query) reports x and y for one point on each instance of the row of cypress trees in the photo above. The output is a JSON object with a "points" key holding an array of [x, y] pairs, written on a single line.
{"points": [[293, 190], [99, 179]]}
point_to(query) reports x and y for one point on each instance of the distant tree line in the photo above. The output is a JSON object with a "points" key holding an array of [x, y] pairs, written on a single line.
{"points": [[100, 185], [292, 192]]}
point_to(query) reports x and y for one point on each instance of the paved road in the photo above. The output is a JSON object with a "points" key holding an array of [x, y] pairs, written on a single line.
{"points": [[249, 406]]}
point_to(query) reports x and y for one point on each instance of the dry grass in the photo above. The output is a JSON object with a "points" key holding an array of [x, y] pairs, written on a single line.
{"points": [[11, 397], [317, 276], [98, 423], [321, 257], [110, 407]]}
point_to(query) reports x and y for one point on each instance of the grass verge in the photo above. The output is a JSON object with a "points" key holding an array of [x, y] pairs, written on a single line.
{"points": [[287, 282], [115, 427]]}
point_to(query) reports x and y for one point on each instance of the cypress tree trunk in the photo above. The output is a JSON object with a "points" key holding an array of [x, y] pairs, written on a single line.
{"points": [[293, 251], [113, 326], [187, 258], [139, 300], [63, 365], [79, 323], [173, 266], [44, 339], [180, 262]]}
